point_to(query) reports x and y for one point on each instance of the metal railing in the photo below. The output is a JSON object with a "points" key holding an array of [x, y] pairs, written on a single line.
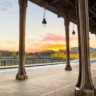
{"points": [[11, 62]]}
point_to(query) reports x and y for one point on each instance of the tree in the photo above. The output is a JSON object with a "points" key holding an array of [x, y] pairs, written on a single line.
{"points": [[14, 54], [1, 53], [60, 54]]}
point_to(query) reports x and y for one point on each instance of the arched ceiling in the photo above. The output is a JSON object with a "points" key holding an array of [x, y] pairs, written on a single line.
{"points": [[63, 7]]}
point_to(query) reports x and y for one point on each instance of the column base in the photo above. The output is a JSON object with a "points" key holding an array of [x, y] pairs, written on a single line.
{"points": [[77, 91], [21, 76], [85, 92], [68, 68]]}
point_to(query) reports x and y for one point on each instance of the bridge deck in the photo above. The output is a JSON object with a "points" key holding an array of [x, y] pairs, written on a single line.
{"points": [[43, 81]]}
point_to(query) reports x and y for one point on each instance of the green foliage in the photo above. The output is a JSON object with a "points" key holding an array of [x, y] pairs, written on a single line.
{"points": [[53, 56], [14, 54], [1, 53], [93, 54]]}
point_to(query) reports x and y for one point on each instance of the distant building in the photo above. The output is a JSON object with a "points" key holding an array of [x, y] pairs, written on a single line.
{"points": [[75, 50]]}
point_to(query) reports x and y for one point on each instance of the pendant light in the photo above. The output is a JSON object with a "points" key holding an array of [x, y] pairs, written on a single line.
{"points": [[44, 22], [73, 32]]}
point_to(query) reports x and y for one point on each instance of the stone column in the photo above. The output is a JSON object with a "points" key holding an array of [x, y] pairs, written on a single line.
{"points": [[84, 86], [68, 66], [21, 75]]}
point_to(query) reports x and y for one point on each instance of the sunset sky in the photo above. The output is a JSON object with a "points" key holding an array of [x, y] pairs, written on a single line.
{"points": [[38, 38]]}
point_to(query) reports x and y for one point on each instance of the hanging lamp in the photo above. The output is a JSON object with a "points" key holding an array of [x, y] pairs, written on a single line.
{"points": [[44, 22], [73, 32]]}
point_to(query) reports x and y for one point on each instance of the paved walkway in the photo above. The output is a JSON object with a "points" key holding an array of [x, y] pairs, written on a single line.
{"points": [[43, 81]]}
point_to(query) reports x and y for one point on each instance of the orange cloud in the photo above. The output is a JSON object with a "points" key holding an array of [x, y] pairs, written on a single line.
{"points": [[57, 43], [54, 37]]}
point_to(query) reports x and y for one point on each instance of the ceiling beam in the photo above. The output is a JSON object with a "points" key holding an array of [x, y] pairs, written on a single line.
{"points": [[92, 12], [54, 1], [57, 7]]}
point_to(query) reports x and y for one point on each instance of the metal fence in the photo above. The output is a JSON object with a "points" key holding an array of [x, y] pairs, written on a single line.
{"points": [[10, 62]]}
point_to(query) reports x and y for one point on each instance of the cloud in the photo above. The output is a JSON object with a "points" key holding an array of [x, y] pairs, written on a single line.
{"points": [[54, 37], [47, 42], [7, 42], [36, 44], [6, 6], [73, 39], [11, 42], [29, 41]]}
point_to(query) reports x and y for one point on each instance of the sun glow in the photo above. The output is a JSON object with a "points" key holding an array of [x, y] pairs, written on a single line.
{"points": [[54, 47]]}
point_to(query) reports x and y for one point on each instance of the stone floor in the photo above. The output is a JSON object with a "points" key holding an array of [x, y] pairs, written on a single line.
{"points": [[46, 81]]}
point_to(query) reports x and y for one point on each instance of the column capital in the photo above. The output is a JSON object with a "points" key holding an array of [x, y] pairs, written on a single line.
{"points": [[23, 2], [66, 21]]}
